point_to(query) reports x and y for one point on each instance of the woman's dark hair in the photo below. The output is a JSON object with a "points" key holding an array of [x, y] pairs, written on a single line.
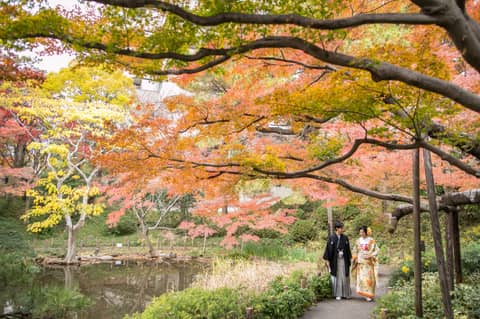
{"points": [[364, 228]]}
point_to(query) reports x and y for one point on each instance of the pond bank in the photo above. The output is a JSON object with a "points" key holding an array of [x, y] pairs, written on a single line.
{"points": [[167, 258]]}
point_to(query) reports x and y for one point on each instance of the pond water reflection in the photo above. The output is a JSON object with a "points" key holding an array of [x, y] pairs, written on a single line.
{"points": [[119, 289]]}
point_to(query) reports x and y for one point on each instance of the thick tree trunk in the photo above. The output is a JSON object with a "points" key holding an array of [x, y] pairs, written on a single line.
{"points": [[71, 245], [19, 155], [416, 234], [28, 203], [437, 235]]}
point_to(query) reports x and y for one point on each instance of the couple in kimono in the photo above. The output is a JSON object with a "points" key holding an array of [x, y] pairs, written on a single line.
{"points": [[362, 258]]}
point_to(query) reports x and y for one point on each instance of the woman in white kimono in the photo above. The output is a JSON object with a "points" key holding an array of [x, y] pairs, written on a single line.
{"points": [[364, 268]]}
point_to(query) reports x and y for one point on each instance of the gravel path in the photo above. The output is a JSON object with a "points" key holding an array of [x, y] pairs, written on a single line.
{"points": [[356, 307]]}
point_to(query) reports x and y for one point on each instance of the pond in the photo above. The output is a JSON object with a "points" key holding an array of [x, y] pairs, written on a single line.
{"points": [[118, 288]]}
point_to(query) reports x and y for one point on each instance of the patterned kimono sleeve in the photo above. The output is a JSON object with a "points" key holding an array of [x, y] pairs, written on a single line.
{"points": [[374, 254], [373, 251]]}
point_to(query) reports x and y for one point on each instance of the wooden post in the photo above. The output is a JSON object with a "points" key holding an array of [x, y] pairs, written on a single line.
{"points": [[437, 235], [303, 283], [417, 258], [449, 249], [456, 247]]}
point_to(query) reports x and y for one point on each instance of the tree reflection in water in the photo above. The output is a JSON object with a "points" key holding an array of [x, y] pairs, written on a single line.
{"points": [[121, 289]]}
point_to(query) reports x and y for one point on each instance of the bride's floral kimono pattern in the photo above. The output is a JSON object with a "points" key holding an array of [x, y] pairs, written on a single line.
{"points": [[364, 270]]}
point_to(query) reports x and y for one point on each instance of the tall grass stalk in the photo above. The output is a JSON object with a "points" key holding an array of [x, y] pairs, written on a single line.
{"points": [[251, 275]]}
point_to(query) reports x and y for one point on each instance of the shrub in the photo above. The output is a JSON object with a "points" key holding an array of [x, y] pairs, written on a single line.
{"points": [[399, 301], [193, 303], [405, 270], [13, 237], [467, 300], [125, 226], [321, 286], [284, 299], [359, 219], [266, 233], [303, 231], [471, 258]]}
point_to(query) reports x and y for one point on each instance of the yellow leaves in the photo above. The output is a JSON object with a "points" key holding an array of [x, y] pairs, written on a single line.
{"points": [[51, 204], [89, 84], [94, 191], [268, 160], [324, 148], [50, 221], [92, 209]]}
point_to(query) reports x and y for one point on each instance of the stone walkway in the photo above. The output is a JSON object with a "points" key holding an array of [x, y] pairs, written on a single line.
{"points": [[356, 308]]}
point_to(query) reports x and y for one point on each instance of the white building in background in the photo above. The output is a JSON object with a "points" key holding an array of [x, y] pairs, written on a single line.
{"points": [[153, 93]]}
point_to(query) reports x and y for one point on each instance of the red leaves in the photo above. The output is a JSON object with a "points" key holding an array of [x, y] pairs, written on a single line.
{"points": [[254, 214]]}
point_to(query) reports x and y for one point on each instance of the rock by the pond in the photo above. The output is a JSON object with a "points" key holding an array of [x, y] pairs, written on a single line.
{"points": [[106, 257]]}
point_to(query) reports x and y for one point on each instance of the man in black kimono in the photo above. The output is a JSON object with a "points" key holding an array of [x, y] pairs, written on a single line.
{"points": [[338, 257]]}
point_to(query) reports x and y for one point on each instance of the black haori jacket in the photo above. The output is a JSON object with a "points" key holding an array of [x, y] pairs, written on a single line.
{"points": [[331, 253]]}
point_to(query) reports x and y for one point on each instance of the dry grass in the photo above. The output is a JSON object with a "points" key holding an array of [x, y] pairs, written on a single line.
{"points": [[245, 274]]}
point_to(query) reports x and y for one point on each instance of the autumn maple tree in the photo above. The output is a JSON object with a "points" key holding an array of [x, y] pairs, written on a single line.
{"points": [[316, 94], [148, 200], [66, 141], [16, 74]]}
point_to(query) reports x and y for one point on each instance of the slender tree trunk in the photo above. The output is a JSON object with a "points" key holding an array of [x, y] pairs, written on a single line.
{"points": [[144, 229], [449, 249], [456, 248], [416, 234], [71, 245], [437, 235], [204, 243], [330, 220]]}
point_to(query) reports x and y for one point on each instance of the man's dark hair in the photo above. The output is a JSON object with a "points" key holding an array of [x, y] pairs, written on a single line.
{"points": [[338, 225]]}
